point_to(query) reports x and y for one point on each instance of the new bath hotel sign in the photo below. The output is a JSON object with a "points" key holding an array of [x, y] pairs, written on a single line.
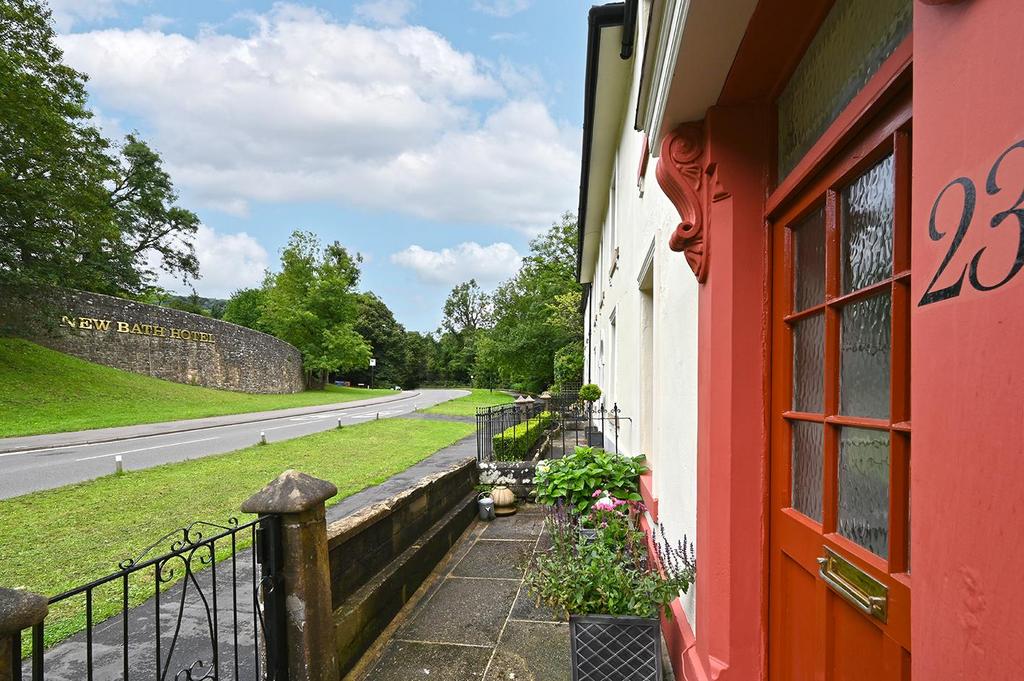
{"points": [[118, 326]]}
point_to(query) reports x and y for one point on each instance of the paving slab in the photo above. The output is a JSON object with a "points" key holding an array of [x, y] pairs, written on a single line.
{"points": [[531, 651], [402, 660], [496, 558], [466, 611], [519, 526], [526, 608]]}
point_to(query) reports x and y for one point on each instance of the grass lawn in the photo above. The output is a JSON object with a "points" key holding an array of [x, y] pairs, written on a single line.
{"points": [[42, 391], [466, 406], [55, 540]]}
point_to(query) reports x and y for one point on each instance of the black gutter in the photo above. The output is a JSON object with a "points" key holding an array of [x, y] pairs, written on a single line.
{"points": [[600, 16]]}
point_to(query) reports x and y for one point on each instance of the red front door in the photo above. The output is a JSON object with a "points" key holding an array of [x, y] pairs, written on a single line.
{"points": [[839, 599]]}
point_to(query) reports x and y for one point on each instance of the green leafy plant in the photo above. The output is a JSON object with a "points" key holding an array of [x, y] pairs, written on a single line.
{"points": [[612, 575], [590, 393], [575, 479], [516, 442]]}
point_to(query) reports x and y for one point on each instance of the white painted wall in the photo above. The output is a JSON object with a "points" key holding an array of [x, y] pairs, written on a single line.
{"points": [[657, 372]]}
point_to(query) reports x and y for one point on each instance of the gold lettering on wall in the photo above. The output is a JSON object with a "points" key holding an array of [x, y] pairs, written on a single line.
{"points": [[93, 324]]}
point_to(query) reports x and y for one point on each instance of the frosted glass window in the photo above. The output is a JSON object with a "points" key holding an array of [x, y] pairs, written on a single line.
{"points": [[809, 261], [808, 464], [809, 364], [866, 223], [865, 351], [864, 488], [852, 42]]}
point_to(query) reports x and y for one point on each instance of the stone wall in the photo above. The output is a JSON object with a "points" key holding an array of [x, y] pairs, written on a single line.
{"points": [[381, 555], [166, 343]]}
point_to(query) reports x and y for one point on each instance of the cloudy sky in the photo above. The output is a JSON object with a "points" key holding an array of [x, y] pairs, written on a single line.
{"points": [[435, 137]]}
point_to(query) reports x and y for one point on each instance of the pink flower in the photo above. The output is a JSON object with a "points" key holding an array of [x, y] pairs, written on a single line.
{"points": [[604, 504], [596, 494]]}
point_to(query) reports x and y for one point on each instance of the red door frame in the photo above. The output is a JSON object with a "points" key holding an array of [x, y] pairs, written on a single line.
{"points": [[733, 440]]}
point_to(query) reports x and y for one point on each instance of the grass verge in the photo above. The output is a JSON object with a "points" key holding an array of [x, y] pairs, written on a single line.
{"points": [[43, 391], [466, 406], [55, 540]]}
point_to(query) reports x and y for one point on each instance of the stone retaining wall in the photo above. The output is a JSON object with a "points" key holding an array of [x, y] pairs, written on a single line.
{"points": [[166, 343], [380, 556]]}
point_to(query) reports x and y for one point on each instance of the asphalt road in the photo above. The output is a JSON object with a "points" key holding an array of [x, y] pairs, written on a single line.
{"points": [[52, 464]]}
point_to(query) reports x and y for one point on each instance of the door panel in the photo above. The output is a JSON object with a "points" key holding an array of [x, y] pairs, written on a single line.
{"points": [[839, 583]]}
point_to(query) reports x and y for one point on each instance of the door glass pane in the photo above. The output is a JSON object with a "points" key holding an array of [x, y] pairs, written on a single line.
{"points": [[866, 222], [866, 344], [852, 42], [809, 363], [864, 488], [809, 261], [808, 463]]}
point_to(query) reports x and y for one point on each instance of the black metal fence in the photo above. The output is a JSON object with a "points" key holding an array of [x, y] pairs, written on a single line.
{"points": [[216, 612], [510, 431]]}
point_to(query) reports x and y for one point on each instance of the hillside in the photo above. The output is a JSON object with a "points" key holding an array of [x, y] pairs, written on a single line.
{"points": [[42, 391]]}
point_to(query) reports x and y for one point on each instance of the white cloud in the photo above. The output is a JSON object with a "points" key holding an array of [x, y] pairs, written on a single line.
{"points": [[501, 8], [305, 108], [226, 262], [469, 260], [67, 13], [158, 22], [386, 12]]}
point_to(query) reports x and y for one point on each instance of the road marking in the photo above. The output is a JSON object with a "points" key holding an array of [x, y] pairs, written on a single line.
{"points": [[146, 449]]}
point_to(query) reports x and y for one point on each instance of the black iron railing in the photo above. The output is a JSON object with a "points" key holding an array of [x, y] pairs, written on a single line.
{"points": [[216, 612], [567, 421]]}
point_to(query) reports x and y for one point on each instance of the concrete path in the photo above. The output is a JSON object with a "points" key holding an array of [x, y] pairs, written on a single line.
{"points": [[477, 620], [28, 464], [234, 588]]}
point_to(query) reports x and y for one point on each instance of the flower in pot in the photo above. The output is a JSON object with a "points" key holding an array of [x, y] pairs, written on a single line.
{"points": [[612, 589], [578, 479]]}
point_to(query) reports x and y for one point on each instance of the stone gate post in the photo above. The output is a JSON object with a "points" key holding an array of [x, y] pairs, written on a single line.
{"points": [[298, 500], [19, 610]]}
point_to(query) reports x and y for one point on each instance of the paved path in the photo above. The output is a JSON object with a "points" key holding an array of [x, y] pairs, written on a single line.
{"points": [[28, 464], [66, 661]]}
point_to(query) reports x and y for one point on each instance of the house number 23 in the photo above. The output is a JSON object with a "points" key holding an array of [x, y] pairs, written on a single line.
{"points": [[970, 192]]}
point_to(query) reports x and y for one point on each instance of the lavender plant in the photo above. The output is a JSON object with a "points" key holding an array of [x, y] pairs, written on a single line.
{"points": [[617, 574]]}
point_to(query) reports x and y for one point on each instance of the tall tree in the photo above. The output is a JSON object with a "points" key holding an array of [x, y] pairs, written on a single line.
{"points": [[73, 211], [376, 323], [466, 309], [311, 303], [534, 317]]}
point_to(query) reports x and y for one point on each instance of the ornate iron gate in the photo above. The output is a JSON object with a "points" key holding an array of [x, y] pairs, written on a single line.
{"points": [[216, 612]]}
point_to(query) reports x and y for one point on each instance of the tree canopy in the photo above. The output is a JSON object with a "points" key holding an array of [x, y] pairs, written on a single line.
{"points": [[312, 304], [75, 210]]}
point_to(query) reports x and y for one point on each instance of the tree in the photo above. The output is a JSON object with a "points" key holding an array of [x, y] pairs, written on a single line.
{"points": [[536, 315], [376, 323], [74, 212], [245, 307], [467, 309], [311, 303]]}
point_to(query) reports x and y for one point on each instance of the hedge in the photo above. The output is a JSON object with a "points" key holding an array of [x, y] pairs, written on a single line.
{"points": [[516, 442]]}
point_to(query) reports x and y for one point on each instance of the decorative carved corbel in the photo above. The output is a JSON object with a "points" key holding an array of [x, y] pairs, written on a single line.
{"points": [[680, 173]]}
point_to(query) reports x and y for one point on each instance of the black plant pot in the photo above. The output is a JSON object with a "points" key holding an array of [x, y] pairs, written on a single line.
{"points": [[611, 648]]}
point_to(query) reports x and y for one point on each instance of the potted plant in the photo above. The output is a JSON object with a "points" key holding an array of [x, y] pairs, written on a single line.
{"points": [[575, 480], [612, 589], [589, 394]]}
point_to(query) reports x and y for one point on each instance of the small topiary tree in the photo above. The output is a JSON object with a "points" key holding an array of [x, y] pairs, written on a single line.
{"points": [[590, 393]]}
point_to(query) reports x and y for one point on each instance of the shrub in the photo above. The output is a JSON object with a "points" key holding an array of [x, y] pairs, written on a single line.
{"points": [[516, 442], [590, 393], [611, 575], [574, 479]]}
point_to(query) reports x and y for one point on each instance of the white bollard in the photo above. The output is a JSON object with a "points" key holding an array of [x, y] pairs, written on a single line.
{"points": [[118, 464], [339, 423], [263, 438]]}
